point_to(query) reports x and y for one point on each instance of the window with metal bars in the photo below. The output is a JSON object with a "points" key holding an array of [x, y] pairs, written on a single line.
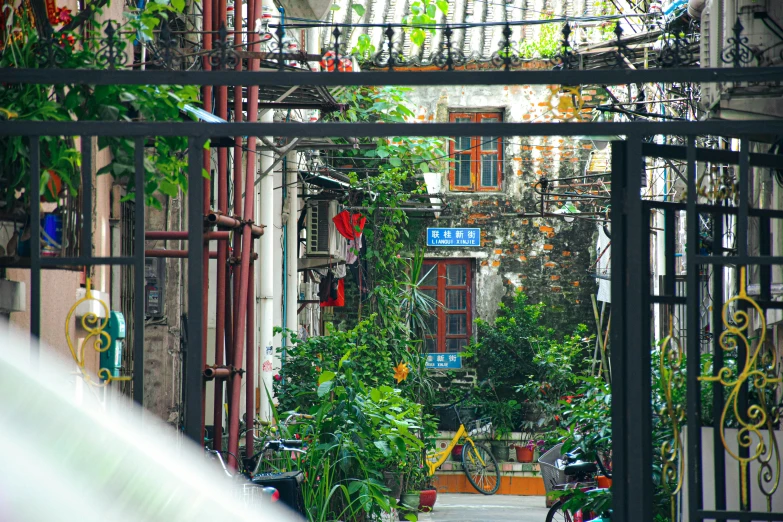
{"points": [[478, 160], [450, 282]]}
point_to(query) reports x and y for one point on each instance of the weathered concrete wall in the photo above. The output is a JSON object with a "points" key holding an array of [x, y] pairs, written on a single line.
{"points": [[546, 258]]}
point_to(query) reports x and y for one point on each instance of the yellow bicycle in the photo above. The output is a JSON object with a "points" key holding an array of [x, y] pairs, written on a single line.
{"points": [[478, 462]]}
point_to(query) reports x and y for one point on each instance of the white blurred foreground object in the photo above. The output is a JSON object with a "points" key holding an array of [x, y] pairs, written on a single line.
{"points": [[66, 461]]}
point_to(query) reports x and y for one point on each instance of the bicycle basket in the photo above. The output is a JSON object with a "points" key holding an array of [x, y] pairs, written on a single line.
{"points": [[551, 470], [479, 427]]}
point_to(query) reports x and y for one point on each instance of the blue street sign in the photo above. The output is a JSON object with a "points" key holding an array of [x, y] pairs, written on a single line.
{"points": [[437, 361], [454, 237]]}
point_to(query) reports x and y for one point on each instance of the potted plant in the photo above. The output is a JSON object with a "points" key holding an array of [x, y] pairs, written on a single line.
{"points": [[428, 496], [456, 452], [502, 413], [415, 479], [526, 452]]}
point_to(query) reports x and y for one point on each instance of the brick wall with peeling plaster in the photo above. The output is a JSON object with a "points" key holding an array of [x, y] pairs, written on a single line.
{"points": [[548, 259]]}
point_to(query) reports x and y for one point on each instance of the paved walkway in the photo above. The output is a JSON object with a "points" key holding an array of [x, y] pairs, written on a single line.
{"points": [[457, 507]]}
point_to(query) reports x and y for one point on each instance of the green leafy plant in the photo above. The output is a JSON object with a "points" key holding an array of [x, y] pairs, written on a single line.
{"points": [[548, 43], [164, 162], [356, 433], [422, 18], [522, 359]]}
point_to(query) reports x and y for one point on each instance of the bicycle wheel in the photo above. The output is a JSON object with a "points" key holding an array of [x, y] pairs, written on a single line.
{"points": [[558, 514], [481, 468]]}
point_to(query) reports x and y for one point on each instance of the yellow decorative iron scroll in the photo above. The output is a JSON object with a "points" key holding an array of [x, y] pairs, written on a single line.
{"points": [[96, 332], [756, 432], [673, 469]]}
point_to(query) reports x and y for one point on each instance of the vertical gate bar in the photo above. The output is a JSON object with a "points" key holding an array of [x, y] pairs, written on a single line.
{"points": [[631, 411], [193, 352], [742, 253], [86, 235], [618, 356], [637, 336], [138, 274], [692, 342], [765, 249], [742, 215], [35, 249], [717, 364]]}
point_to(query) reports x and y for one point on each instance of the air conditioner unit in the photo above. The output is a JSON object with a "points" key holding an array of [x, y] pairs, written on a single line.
{"points": [[710, 50], [323, 240]]}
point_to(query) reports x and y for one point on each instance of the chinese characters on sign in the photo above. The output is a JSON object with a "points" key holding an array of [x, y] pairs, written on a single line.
{"points": [[437, 361], [454, 237]]}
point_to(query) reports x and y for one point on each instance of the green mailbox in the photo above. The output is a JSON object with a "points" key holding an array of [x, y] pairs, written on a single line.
{"points": [[111, 359]]}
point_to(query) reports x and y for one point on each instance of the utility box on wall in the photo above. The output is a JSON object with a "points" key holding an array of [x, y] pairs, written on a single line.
{"points": [[154, 287], [111, 359]]}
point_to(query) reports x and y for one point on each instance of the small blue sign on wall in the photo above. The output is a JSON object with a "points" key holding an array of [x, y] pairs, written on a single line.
{"points": [[454, 237], [444, 361]]}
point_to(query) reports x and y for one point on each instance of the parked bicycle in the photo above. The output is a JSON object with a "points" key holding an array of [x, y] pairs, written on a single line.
{"points": [[250, 494], [582, 475], [287, 483], [478, 463]]}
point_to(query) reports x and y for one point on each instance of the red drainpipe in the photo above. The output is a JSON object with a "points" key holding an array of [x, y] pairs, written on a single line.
{"points": [[240, 283], [252, 116]]}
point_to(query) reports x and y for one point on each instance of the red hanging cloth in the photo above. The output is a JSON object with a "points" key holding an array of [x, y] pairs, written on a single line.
{"points": [[340, 299], [349, 225]]}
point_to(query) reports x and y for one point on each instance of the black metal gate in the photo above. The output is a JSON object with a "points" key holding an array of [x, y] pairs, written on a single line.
{"points": [[632, 296]]}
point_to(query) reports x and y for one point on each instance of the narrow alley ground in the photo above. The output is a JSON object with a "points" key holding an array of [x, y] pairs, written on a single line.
{"points": [[452, 507]]}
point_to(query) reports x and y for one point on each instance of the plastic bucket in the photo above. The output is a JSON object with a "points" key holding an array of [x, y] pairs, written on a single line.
{"points": [[51, 235]]}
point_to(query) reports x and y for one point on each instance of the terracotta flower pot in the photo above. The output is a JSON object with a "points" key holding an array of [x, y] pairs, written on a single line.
{"points": [[427, 500], [524, 454], [603, 482]]}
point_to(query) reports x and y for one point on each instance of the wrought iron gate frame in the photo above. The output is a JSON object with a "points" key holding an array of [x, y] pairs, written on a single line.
{"points": [[630, 294]]}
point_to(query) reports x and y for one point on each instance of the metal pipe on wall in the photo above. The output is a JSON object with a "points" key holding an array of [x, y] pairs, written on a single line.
{"points": [[241, 317], [265, 272], [250, 202], [292, 247]]}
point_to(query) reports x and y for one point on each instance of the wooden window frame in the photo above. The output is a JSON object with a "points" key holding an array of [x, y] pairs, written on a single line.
{"points": [[440, 287], [476, 153]]}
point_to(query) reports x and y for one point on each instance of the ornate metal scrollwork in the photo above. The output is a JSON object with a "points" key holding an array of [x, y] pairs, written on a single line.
{"points": [[166, 51], [223, 55], [112, 51], [738, 52], [672, 414], [621, 54], [389, 55], [566, 58], [50, 50], [96, 333], [675, 51], [448, 55], [337, 59], [506, 55], [756, 375]]}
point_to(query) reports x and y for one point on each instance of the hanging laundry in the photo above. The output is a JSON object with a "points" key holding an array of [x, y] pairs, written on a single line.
{"points": [[339, 298], [349, 225], [352, 252], [325, 287]]}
